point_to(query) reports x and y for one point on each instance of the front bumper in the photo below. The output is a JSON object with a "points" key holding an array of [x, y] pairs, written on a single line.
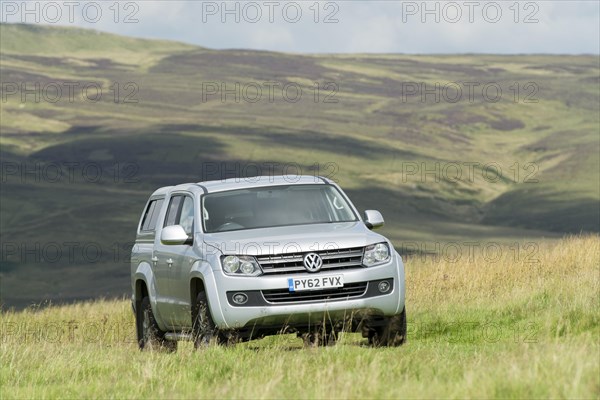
{"points": [[258, 311]]}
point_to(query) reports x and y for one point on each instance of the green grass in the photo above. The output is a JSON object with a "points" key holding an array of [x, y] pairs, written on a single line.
{"points": [[504, 329], [275, 369]]}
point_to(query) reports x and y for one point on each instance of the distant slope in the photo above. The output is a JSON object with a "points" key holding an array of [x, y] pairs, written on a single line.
{"points": [[58, 41], [366, 127]]}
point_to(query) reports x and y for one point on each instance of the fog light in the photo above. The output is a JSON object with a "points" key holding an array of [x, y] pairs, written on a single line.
{"points": [[240, 298], [384, 286]]}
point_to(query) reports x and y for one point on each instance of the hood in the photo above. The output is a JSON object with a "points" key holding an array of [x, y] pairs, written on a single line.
{"points": [[293, 239]]}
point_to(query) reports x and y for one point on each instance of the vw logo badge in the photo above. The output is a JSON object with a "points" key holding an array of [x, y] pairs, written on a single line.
{"points": [[312, 262]]}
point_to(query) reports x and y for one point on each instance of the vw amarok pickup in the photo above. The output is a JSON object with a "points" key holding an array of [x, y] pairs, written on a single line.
{"points": [[237, 259]]}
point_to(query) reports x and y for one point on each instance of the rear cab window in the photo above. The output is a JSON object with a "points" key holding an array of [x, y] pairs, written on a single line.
{"points": [[150, 217]]}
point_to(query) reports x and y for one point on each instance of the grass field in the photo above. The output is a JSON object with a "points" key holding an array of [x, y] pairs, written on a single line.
{"points": [[503, 325]]}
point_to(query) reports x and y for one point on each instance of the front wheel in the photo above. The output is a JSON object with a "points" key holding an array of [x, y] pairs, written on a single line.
{"points": [[391, 333], [322, 336], [204, 330]]}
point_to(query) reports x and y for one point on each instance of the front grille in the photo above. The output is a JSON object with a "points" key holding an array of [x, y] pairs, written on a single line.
{"points": [[350, 290], [332, 259]]}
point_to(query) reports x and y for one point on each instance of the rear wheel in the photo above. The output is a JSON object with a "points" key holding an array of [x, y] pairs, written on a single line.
{"points": [[150, 337], [391, 333]]}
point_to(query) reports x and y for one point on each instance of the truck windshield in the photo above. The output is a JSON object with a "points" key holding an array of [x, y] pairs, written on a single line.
{"points": [[274, 206]]}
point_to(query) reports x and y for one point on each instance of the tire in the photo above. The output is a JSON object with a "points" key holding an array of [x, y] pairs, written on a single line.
{"points": [[204, 331], [149, 335], [391, 333], [320, 337]]}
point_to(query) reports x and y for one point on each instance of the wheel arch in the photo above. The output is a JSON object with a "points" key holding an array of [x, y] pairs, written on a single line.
{"points": [[401, 284], [145, 286], [196, 286], [202, 278], [141, 291]]}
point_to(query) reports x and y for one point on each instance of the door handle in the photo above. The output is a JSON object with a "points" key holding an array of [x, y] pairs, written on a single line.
{"points": [[154, 260], [170, 262]]}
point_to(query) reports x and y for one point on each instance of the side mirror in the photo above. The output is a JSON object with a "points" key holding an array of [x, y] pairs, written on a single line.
{"points": [[373, 219], [174, 234]]}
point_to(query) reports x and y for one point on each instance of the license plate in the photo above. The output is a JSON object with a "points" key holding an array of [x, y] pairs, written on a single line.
{"points": [[316, 283]]}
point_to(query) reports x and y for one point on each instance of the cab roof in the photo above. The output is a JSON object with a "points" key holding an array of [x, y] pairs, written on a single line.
{"points": [[244, 183]]}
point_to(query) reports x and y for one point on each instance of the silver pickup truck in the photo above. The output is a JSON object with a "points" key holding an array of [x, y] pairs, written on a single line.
{"points": [[238, 259]]}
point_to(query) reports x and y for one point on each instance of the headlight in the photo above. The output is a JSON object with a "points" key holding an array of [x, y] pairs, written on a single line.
{"points": [[231, 264], [240, 266], [247, 268], [376, 254]]}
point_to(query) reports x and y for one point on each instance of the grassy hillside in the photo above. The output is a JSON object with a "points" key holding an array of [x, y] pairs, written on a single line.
{"points": [[508, 328], [155, 125]]}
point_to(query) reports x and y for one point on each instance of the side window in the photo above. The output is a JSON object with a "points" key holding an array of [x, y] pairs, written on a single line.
{"points": [[186, 219], [151, 215], [148, 215], [181, 212], [154, 218], [173, 210]]}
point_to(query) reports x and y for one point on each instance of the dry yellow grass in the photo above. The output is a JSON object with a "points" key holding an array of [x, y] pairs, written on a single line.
{"points": [[503, 273]]}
